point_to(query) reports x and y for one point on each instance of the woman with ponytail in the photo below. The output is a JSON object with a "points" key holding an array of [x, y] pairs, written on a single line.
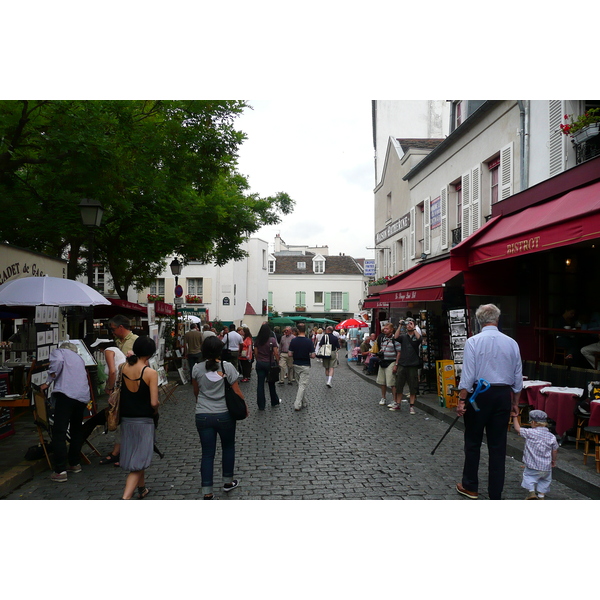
{"points": [[138, 405], [212, 416]]}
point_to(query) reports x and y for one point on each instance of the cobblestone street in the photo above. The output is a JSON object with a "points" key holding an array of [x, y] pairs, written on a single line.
{"points": [[343, 446]]}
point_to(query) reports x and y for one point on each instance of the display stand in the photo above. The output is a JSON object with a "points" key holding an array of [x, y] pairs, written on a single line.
{"points": [[429, 350]]}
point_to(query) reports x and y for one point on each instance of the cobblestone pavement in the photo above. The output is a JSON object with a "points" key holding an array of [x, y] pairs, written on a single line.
{"points": [[343, 446]]}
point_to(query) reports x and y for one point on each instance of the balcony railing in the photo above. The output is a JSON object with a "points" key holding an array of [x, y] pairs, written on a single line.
{"points": [[587, 150]]}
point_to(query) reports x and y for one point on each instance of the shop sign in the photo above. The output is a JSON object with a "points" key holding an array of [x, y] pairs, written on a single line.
{"points": [[435, 213], [18, 268], [523, 245], [396, 226], [404, 296]]}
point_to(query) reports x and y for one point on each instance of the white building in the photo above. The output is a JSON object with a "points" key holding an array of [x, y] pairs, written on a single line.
{"points": [[235, 293], [305, 280]]}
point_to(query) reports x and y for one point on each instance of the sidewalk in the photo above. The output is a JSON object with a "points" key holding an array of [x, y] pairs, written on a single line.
{"points": [[570, 469]]}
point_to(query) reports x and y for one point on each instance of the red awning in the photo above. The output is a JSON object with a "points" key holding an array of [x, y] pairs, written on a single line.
{"points": [[162, 308], [569, 219], [118, 306], [424, 283]]}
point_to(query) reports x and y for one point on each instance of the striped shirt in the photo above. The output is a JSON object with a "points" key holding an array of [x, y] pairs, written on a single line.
{"points": [[492, 356], [539, 443]]}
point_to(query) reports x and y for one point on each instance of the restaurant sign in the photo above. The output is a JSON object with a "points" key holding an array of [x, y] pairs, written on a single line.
{"points": [[393, 228], [18, 268]]}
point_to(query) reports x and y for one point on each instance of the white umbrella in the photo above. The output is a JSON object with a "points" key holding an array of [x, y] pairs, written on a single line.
{"points": [[49, 291], [192, 318]]}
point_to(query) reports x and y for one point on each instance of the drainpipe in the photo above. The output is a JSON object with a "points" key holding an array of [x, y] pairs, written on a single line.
{"points": [[524, 130]]}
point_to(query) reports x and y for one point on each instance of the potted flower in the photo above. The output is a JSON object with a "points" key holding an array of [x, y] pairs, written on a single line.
{"points": [[155, 298], [584, 127], [193, 299]]}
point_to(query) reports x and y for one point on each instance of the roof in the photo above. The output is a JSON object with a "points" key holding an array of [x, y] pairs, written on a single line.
{"points": [[334, 265], [421, 143]]}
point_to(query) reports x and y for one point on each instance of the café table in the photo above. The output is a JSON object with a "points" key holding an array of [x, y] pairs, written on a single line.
{"points": [[594, 414], [531, 393], [560, 406]]}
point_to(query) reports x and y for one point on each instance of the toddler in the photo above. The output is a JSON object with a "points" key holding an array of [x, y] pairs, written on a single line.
{"points": [[539, 454]]}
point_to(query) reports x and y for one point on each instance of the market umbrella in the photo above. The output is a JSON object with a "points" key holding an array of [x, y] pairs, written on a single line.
{"points": [[281, 321], [192, 318], [49, 291], [348, 323]]}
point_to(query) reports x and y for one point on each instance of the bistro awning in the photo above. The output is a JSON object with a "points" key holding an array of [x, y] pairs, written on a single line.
{"points": [[569, 219], [118, 306], [424, 283]]}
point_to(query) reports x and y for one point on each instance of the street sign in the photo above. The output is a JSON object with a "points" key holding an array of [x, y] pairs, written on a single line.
{"points": [[178, 291], [178, 301]]}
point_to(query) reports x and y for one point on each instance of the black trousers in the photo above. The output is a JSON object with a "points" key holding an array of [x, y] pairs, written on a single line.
{"points": [[492, 418], [68, 415]]}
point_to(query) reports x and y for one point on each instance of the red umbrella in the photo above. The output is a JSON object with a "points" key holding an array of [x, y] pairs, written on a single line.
{"points": [[348, 323]]}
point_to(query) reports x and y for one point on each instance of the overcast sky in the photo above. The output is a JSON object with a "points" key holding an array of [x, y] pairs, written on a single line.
{"points": [[320, 152]]}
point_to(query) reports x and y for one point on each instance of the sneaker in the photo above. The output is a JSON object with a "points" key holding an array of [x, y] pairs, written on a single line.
{"points": [[412, 410], [531, 496], [59, 476], [392, 404], [74, 469], [461, 490], [227, 487], [329, 384], [382, 402], [396, 407]]}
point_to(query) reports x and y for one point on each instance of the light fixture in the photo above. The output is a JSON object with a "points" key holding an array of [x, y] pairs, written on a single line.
{"points": [[175, 267], [92, 212], [568, 262]]}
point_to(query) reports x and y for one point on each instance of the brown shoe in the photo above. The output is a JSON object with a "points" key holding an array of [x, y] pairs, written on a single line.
{"points": [[461, 490], [531, 496]]}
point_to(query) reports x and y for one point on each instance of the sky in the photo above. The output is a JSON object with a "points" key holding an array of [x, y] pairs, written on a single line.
{"points": [[320, 152]]}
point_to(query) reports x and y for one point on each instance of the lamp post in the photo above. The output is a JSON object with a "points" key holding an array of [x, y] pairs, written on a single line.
{"points": [[176, 271], [91, 217]]}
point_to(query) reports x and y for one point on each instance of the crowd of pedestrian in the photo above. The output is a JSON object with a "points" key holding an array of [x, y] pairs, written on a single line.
{"points": [[226, 359]]}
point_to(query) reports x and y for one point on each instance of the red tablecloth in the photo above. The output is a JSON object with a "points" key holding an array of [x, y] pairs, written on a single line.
{"points": [[531, 394], [594, 414], [560, 407]]}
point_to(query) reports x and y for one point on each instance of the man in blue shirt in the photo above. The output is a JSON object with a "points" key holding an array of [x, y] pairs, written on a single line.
{"points": [[495, 357], [301, 350]]}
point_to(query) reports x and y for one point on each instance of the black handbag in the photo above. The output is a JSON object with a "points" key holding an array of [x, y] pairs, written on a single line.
{"points": [[237, 407], [274, 370], [226, 352]]}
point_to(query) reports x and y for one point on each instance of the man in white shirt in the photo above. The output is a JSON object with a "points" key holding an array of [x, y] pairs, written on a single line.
{"points": [[232, 341]]}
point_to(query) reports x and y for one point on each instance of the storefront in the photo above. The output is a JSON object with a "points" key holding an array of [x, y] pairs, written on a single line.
{"points": [[536, 257]]}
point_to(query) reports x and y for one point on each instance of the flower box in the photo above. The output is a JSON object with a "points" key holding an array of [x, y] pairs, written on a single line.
{"points": [[300, 308], [155, 298], [191, 299], [585, 133]]}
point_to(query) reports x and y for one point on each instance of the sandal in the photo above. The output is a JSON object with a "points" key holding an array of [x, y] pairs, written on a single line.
{"points": [[143, 491], [110, 459], [209, 497]]}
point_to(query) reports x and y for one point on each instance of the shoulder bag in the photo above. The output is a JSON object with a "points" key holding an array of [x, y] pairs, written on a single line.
{"points": [[325, 350], [113, 412], [274, 368], [226, 352], [236, 405]]}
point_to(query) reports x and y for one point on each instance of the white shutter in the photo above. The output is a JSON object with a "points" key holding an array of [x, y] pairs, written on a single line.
{"points": [[444, 217], [506, 171], [413, 233], [557, 138], [466, 205], [427, 226], [475, 198], [394, 258], [404, 253]]}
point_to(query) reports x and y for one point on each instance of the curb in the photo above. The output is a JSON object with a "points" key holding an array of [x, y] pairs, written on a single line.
{"points": [[569, 470]]}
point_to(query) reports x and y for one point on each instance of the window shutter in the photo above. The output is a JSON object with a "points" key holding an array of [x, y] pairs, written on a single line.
{"points": [[506, 171], [444, 217], [404, 253], [413, 233], [557, 138], [327, 301], [298, 298], [302, 298], [270, 299], [394, 258], [466, 205], [427, 226], [475, 198], [346, 301]]}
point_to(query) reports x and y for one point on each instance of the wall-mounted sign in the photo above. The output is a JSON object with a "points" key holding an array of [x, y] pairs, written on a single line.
{"points": [[226, 301], [393, 228]]}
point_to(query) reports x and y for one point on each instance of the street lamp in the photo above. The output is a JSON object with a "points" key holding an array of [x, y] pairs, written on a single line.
{"points": [[176, 271], [91, 217]]}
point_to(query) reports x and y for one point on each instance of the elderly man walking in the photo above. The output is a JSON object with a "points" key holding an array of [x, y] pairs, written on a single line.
{"points": [[286, 362], [495, 357]]}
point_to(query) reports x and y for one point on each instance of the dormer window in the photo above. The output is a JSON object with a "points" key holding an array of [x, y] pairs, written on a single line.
{"points": [[301, 266], [319, 264], [271, 264]]}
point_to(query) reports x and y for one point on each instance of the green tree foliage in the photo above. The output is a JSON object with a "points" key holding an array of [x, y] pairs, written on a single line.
{"points": [[165, 172]]}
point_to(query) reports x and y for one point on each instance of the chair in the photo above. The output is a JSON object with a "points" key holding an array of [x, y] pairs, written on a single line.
{"points": [[592, 434], [579, 378], [558, 353], [166, 392], [545, 372], [529, 369]]}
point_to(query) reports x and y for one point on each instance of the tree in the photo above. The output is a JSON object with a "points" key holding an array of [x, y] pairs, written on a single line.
{"points": [[165, 172]]}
